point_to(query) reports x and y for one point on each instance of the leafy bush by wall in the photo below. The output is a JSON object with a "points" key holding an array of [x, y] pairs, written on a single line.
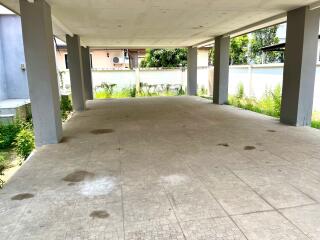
{"points": [[65, 106], [269, 104], [24, 143], [8, 133]]}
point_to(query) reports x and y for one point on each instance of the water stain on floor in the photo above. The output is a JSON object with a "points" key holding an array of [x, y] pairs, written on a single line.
{"points": [[271, 130], [223, 144], [22, 196], [65, 139], [98, 187], [99, 214], [102, 131], [249, 148], [77, 176]]}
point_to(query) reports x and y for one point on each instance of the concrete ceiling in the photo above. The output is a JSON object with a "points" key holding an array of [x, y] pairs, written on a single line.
{"points": [[157, 23]]}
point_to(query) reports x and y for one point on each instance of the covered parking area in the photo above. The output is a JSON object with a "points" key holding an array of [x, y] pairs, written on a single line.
{"points": [[168, 168], [165, 168]]}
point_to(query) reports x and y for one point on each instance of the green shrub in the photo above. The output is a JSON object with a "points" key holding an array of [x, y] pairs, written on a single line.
{"points": [[203, 91], [8, 133], [315, 124], [181, 91], [276, 95], [125, 93], [133, 92], [24, 143], [240, 91], [108, 89], [100, 95], [65, 106], [269, 104], [146, 90]]}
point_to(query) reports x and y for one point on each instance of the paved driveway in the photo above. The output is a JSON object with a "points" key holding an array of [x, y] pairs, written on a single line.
{"points": [[168, 168]]}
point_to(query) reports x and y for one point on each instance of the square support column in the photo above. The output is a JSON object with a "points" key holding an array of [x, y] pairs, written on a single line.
{"points": [[87, 75], [221, 70], [300, 66], [76, 72], [41, 71], [192, 71]]}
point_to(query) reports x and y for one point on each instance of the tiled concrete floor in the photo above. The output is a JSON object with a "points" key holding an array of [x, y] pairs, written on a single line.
{"points": [[168, 168]]}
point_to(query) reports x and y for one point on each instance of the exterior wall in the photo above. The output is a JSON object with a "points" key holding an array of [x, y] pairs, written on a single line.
{"points": [[3, 82], [60, 53], [13, 58], [203, 57], [257, 78], [100, 59]]}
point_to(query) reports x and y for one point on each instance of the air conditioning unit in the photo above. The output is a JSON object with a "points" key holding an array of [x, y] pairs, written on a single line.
{"points": [[116, 60]]}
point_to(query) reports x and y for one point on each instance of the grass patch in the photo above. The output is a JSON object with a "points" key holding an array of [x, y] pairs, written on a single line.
{"points": [[5, 161], [146, 90], [269, 104]]}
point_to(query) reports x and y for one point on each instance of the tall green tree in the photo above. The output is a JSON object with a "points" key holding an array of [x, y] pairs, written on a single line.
{"points": [[262, 38], [239, 50], [176, 57]]}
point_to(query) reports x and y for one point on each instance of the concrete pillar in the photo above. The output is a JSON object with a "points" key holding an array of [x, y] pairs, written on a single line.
{"points": [[87, 75], [221, 70], [76, 72], [192, 71], [300, 66], [41, 71]]}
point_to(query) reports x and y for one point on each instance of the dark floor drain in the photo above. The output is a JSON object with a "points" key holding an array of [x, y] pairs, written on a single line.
{"points": [[249, 148], [223, 144], [99, 214], [22, 196], [77, 176], [102, 131]]}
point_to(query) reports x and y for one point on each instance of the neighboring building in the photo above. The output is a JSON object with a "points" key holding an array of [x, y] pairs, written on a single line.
{"points": [[203, 57], [14, 91], [13, 76], [101, 59], [135, 57], [113, 59], [281, 34]]}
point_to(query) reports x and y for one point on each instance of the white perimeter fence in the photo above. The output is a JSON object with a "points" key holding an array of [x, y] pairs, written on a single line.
{"points": [[256, 79]]}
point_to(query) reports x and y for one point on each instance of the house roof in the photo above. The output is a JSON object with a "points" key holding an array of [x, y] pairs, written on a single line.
{"points": [[276, 47]]}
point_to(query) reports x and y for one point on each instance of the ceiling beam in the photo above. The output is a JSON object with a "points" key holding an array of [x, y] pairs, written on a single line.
{"points": [[314, 5], [275, 20], [61, 26]]}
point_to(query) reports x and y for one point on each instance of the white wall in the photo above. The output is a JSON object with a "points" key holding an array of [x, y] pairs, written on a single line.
{"points": [[127, 78], [255, 78], [13, 82], [265, 77]]}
